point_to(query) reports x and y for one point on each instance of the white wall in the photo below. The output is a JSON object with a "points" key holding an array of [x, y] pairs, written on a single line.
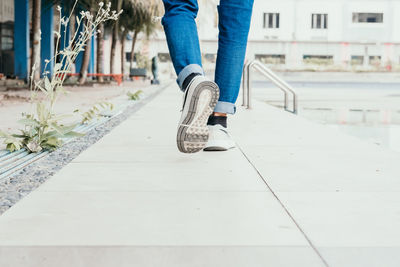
{"points": [[6, 10], [295, 37]]}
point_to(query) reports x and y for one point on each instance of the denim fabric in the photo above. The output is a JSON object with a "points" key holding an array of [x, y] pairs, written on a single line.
{"points": [[181, 32], [189, 69], [183, 43]]}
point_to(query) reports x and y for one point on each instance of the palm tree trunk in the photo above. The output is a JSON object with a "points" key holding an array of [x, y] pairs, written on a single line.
{"points": [[133, 49], [35, 58], [100, 52], [72, 24], [123, 37], [72, 30], [113, 45], [114, 39], [85, 62], [86, 59]]}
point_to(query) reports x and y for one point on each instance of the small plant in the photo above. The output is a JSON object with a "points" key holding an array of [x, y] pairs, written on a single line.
{"points": [[42, 127], [134, 96], [95, 111]]}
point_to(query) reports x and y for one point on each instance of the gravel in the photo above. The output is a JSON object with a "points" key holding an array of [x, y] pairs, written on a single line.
{"points": [[31, 177]]}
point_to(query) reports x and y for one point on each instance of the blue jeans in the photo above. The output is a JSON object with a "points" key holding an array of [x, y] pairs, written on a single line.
{"points": [[183, 43]]}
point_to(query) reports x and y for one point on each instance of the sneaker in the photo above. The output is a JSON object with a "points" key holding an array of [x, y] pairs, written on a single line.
{"points": [[200, 99], [219, 139]]}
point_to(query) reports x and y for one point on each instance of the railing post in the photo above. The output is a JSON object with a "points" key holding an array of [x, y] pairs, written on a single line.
{"points": [[281, 84], [249, 86], [295, 104], [286, 100], [244, 83]]}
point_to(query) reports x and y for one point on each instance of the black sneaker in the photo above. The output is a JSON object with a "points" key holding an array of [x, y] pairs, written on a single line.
{"points": [[201, 97]]}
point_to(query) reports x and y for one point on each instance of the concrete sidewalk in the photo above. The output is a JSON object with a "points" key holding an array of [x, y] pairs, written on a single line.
{"points": [[292, 194]]}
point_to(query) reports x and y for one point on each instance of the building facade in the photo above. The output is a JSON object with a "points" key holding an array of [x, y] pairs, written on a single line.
{"points": [[287, 34], [7, 37], [294, 34]]}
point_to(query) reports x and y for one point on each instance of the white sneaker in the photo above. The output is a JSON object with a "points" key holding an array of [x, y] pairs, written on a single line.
{"points": [[200, 99], [219, 139]]}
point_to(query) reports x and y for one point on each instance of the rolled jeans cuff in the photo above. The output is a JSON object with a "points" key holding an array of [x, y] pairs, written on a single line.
{"points": [[225, 107], [189, 69]]}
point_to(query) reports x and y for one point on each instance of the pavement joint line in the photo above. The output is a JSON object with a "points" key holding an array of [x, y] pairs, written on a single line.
{"points": [[285, 208], [154, 191], [160, 246], [44, 168]]}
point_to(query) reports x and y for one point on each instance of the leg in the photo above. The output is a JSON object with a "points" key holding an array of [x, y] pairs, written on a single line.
{"points": [[201, 94], [234, 25], [182, 37]]}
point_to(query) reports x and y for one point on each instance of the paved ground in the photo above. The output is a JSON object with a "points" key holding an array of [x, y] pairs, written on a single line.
{"points": [[293, 193]]}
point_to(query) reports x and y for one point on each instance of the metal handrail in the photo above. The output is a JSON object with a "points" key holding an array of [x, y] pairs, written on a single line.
{"points": [[281, 84]]}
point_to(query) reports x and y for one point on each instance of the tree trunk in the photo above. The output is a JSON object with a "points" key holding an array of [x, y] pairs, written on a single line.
{"points": [[72, 30], [86, 58], [72, 24], [133, 49], [114, 39], [35, 58], [113, 45], [100, 52], [85, 61], [123, 37]]}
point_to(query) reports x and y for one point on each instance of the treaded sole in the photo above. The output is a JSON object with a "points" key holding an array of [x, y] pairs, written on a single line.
{"points": [[193, 132]]}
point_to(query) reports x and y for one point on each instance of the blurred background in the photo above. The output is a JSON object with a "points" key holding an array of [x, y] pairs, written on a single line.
{"points": [[341, 56]]}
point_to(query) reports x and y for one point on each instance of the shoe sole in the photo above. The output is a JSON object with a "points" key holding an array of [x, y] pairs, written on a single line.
{"points": [[193, 132]]}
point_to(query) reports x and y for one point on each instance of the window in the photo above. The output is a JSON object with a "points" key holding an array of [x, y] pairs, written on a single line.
{"points": [[212, 58], [357, 60], [318, 60], [375, 60], [6, 36], [271, 59], [367, 17], [164, 57], [271, 21], [128, 56], [319, 21], [6, 43]]}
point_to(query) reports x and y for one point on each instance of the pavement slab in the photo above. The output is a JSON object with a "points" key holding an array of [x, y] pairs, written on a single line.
{"points": [[293, 193]]}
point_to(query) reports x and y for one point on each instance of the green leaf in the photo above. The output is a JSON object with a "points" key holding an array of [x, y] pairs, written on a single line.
{"points": [[58, 128], [3, 134], [69, 128], [12, 144], [55, 142], [134, 96], [47, 84], [19, 136], [29, 122], [41, 112], [11, 147], [73, 134], [52, 134]]}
